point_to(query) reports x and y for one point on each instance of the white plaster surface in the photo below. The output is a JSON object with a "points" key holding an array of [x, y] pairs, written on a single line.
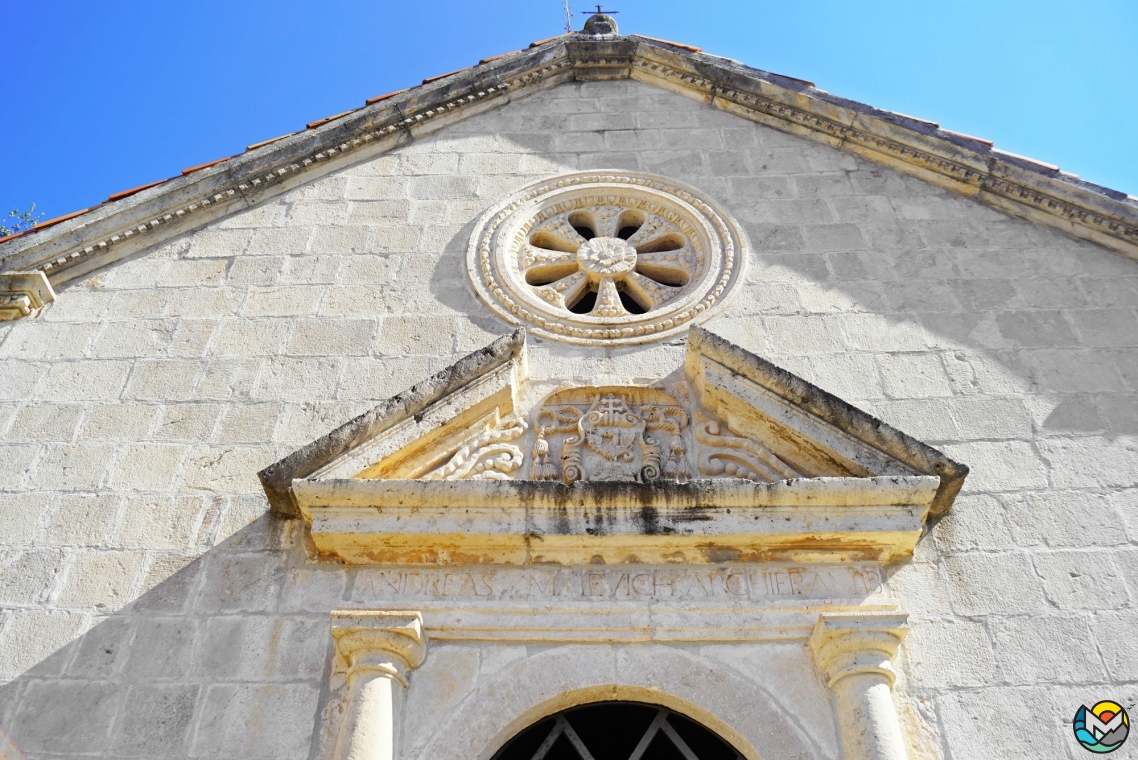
{"points": [[150, 607]]}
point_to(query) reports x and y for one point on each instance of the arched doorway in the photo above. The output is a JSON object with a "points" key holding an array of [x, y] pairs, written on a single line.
{"points": [[617, 731]]}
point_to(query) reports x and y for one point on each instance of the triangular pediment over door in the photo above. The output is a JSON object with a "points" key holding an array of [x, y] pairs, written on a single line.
{"points": [[728, 458]]}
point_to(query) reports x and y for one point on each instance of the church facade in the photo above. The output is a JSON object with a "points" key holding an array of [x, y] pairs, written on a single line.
{"points": [[606, 399]]}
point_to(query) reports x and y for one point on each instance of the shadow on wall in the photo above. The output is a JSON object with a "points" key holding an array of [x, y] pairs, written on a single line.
{"points": [[220, 660], [1033, 332]]}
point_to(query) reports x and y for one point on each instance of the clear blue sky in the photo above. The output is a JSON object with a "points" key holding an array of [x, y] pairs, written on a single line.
{"points": [[104, 96]]}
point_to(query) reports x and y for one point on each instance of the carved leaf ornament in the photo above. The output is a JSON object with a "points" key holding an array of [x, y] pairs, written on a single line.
{"points": [[601, 258]]}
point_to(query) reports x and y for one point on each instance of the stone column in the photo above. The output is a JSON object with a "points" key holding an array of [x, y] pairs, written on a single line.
{"points": [[380, 648], [856, 651]]}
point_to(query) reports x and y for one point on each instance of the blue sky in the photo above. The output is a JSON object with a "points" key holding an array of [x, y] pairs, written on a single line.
{"points": [[101, 97]]}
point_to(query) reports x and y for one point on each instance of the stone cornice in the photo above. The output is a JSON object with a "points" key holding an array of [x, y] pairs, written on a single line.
{"points": [[278, 477], [971, 167]]}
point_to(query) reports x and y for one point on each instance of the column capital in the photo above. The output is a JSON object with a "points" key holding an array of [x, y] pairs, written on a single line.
{"points": [[847, 644], [390, 641], [21, 293]]}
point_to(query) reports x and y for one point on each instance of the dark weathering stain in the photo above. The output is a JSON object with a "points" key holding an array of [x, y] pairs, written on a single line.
{"points": [[648, 520]]}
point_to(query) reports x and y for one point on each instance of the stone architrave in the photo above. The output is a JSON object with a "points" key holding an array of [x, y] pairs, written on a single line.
{"points": [[856, 652], [379, 648]]}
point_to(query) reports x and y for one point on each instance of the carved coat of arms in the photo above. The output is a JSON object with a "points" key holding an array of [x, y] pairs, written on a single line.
{"points": [[612, 439]]}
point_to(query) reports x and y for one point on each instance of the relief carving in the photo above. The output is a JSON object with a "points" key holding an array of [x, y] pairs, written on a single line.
{"points": [[725, 455], [610, 434], [599, 258], [490, 456]]}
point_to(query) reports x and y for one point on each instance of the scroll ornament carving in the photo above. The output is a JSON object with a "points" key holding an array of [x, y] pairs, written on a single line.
{"points": [[722, 454], [490, 456]]}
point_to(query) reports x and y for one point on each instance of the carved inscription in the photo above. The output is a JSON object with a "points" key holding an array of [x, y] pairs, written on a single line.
{"points": [[608, 584]]}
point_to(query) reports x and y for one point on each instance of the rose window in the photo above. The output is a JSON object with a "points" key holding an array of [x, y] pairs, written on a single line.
{"points": [[606, 258]]}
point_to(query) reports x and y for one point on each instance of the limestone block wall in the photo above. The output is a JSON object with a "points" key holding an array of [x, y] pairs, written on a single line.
{"points": [[150, 607]]}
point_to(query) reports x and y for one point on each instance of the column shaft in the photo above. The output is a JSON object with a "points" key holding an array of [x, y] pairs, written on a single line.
{"points": [[856, 652], [368, 732], [868, 719], [379, 648]]}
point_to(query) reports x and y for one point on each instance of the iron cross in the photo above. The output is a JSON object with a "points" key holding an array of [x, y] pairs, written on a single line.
{"points": [[599, 12]]}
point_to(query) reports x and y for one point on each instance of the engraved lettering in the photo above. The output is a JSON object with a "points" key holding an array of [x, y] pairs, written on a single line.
{"points": [[413, 583], [730, 582]]}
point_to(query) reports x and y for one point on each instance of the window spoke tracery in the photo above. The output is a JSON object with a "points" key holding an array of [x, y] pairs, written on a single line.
{"points": [[623, 254], [617, 731]]}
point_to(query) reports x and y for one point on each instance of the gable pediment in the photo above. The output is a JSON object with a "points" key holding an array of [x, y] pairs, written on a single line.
{"points": [[74, 246], [728, 457]]}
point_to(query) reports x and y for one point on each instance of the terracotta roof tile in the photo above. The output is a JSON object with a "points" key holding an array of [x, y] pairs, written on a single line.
{"points": [[263, 143], [369, 101], [547, 39], [428, 80], [64, 218], [496, 57], [125, 193], [206, 165], [18, 234], [325, 120], [680, 45]]}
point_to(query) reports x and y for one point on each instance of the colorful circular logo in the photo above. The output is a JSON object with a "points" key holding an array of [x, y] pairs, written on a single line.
{"points": [[1102, 728]]}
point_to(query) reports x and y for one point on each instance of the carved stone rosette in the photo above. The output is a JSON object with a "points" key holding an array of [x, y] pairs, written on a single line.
{"points": [[606, 257]]}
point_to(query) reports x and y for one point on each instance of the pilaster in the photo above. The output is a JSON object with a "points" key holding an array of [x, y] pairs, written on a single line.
{"points": [[380, 648], [856, 652]]}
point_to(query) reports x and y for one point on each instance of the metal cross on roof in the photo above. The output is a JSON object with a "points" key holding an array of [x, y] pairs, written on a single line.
{"points": [[599, 12]]}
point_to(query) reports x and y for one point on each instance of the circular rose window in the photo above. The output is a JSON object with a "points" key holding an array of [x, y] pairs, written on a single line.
{"points": [[606, 257]]}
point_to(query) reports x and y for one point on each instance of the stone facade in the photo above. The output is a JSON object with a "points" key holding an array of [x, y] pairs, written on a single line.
{"points": [[153, 607]]}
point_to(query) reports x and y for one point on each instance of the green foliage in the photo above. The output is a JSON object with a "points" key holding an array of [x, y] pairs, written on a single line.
{"points": [[19, 222]]}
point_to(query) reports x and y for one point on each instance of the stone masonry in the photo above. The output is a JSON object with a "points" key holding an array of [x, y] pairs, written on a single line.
{"points": [[151, 607]]}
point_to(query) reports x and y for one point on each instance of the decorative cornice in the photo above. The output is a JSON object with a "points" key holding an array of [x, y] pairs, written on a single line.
{"points": [[77, 246], [999, 174], [278, 477]]}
